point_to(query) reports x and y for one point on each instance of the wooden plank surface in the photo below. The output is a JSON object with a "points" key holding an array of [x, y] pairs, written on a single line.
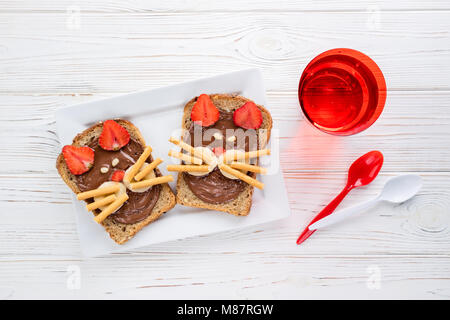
{"points": [[49, 59], [111, 6], [409, 133], [128, 52], [419, 226]]}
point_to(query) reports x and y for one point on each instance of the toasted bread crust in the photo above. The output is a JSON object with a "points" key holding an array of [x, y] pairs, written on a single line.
{"points": [[242, 204], [119, 232]]}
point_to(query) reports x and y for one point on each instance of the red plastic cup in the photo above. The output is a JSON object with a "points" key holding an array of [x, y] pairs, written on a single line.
{"points": [[342, 92]]}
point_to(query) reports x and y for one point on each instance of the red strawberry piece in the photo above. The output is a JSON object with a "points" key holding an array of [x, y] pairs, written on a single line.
{"points": [[218, 151], [113, 136], [78, 159], [204, 112], [117, 175], [248, 116]]}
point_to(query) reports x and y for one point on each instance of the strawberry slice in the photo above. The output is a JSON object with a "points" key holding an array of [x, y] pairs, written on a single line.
{"points": [[204, 112], [218, 151], [117, 175], [113, 136], [248, 116], [78, 159]]}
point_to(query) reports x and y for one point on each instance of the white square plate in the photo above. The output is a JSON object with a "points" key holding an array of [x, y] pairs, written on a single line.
{"points": [[157, 113]]}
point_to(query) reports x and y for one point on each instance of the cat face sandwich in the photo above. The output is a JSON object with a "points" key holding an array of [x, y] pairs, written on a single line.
{"points": [[223, 138], [110, 167]]}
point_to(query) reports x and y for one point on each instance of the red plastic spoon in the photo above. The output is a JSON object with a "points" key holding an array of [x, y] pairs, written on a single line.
{"points": [[362, 172]]}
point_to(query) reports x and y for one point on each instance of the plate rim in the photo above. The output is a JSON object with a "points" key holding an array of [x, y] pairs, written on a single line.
{"points": [[59, 116]]}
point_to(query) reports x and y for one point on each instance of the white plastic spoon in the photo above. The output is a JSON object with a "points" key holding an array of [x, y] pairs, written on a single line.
{"points": [[396, 190]]}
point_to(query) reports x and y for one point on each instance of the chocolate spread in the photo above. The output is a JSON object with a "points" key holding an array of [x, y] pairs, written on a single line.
{"points": [[214, 187], [139, 205]]}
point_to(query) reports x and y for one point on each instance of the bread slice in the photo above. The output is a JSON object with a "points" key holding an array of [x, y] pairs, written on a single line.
{"points": [[242, 204], [119, 232]]}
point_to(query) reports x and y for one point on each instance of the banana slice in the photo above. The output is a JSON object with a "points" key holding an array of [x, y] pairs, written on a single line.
{"points": [[121, 191], [150, 175], [206, 154], [228, 154], [210, 159]]}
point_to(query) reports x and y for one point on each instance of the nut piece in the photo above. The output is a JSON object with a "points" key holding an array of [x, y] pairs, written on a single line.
{"points": [[104, 169], [115, 162], [231, 139], [217, 136]]}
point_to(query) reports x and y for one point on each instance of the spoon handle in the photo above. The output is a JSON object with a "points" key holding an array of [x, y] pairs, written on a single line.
{"points": [[343, 214], [325, 212]]}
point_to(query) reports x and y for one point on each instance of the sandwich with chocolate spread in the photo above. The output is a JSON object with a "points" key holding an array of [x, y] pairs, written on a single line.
{"points": [[111, 168], [223, 138]]}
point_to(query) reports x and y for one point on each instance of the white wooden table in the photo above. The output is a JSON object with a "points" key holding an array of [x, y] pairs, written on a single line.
{"points": [[58, 53]]}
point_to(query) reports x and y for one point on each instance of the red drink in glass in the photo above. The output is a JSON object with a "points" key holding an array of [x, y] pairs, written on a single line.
{"points": [[342, 91]]}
